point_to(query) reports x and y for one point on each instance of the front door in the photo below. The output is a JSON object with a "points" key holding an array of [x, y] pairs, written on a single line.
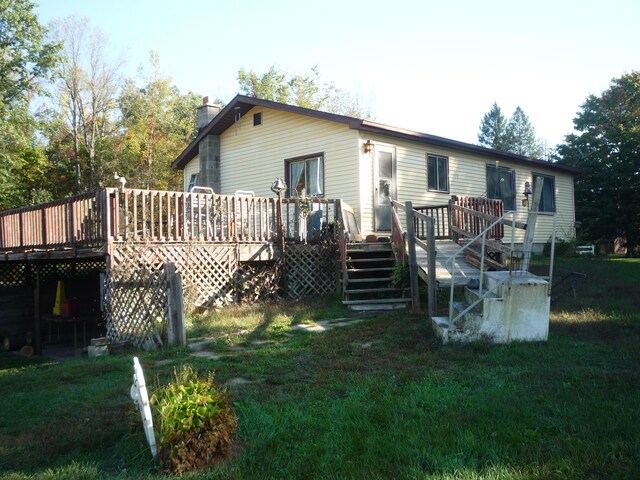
{"points": [[384, 187]]}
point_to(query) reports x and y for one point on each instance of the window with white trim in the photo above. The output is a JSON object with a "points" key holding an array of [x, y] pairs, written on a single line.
{"points": [[437, 173], [305, 175]]}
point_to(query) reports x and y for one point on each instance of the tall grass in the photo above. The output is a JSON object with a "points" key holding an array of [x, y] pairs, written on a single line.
{"points": [[380, 398]]}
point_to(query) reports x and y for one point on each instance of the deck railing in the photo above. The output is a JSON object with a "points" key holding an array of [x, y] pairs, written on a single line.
{"points": [[471, 215], [441, 221], [71, 222], [109, 214], [155, 215]]}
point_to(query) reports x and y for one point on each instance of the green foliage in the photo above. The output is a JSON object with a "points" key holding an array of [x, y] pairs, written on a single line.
{"points": [[195, 422], [359, 401], [607, 152], [521, 136], [493, 127], [158, 123], [304, 90], [26, 57], [400, 276], [515, 135]]}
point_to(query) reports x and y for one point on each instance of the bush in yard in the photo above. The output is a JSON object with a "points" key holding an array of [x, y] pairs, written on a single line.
{"points": [[195, 422]]}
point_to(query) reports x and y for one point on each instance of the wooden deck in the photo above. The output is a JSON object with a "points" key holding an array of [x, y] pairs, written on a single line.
{"points": [[444, 251], [88, 225]]}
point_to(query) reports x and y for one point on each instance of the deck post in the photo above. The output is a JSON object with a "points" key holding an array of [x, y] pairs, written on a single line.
{"points": [[413, 266], [431, 270], [176, 333], [341, 271], [532, 219], [36, 311]]}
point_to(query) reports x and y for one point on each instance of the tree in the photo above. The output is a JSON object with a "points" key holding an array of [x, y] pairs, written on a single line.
{"points": [[25, 60], [607, 151], [515, 135], [521, 136], [158, 123], [25, 56], [493, 129], [87, 92], [304, 90]]}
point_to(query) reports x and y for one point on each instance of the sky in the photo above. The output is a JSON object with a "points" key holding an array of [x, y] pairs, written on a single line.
{"points": [[432, 66]]}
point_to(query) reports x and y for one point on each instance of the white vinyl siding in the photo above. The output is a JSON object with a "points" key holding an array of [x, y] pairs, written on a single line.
{"points": [[192, 168], [467, 178], [252, 158]]}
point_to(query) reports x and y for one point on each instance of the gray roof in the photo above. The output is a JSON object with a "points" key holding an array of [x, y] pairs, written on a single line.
{"points": [[242, 104]]}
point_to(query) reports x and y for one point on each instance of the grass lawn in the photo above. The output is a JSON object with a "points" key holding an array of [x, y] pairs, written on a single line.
{"points": [[379, 398]]}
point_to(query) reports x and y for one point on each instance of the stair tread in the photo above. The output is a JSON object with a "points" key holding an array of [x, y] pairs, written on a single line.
{"points": [[441, 321], [369, 280], [475, 292], [376, 301], [373, 290], [376, 269], [371, 260]]}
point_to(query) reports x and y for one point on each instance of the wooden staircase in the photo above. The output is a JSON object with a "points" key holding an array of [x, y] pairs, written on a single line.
{"points": [[369, 270]]}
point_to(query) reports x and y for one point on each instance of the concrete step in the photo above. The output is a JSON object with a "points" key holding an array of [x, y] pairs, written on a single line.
{"points": [[441, 328], [378, 304]]}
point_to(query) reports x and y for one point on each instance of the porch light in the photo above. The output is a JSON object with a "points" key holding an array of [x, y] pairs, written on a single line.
{"points": [[278, 186], [367, 147], [526, 193]]}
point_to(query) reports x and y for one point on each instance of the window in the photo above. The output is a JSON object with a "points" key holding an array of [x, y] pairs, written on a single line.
{"points": [[548, 197], [437, 173], [257, 119], [305, 175], [501, 184], [193, 181]]}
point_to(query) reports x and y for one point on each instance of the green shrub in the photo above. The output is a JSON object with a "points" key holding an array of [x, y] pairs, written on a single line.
{"points": [[400, 276], [194, 420]]}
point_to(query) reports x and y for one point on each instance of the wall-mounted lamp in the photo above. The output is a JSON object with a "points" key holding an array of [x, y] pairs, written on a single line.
{"points": [[278, 186], [367, 147], [526, 193]]}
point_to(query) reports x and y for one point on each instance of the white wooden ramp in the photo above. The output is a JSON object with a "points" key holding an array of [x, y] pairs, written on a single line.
{"points": [[444, 251]]}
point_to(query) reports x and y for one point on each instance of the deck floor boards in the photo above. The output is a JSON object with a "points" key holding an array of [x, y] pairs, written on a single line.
{"points": [[445, 249]]}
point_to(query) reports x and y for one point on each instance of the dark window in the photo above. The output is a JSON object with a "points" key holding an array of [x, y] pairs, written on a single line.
{"points": [[193, 181], [305, 176], [438, 173], [257, 119], [501, 184], [548, 197]]}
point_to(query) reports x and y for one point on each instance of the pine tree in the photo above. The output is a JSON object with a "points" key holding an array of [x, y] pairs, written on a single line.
{"points": [[493, 129]]}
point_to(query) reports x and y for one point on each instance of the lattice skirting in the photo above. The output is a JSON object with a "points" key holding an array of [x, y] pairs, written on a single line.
{"points": [[212, 275], [21, 274], [311, 270], [137, 305]]}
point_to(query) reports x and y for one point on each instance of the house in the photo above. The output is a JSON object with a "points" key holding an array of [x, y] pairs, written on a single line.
{"points": [[250, 142]]}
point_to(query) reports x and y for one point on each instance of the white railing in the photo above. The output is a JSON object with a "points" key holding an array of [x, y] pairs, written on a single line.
{"points": [[483, 238]]}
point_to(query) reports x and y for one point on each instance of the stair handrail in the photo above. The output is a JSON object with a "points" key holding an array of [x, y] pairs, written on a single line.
{"points": [[482, 235], [341, 233], [398, 235], [481, 297]]}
